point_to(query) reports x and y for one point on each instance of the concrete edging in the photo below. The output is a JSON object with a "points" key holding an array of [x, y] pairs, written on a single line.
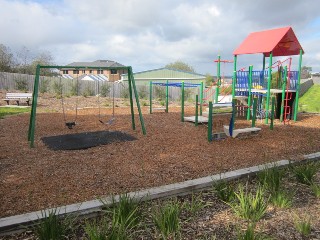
{"points": [[18, 223]]}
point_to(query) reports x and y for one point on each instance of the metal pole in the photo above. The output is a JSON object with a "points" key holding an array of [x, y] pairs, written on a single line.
{"points": [[196, 117], [167, 97], [254, 112], [32, 123], [138, 103], [210, 122], [249, 90], [284, 84], [150, 97], [234, 78], [131, 99], [298, 88], [272, 112], [182, 101], [269, 86], [201, 97], [219, 81]]}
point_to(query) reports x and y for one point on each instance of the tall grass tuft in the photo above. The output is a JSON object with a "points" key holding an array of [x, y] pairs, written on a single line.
{"points": [[195, 205], [95, 231], [125, 216], [251, 207], [305, 173], [303, 225], [51, 227], [224, 191], [315, 188], [271, 178], [281, 199], [167, 220]]}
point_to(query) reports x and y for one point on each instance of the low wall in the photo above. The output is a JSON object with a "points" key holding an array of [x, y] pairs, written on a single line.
{"points": [[305, 85]]}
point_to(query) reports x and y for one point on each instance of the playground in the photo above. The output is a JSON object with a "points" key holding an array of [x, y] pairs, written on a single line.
{"points": [[171, 151]]}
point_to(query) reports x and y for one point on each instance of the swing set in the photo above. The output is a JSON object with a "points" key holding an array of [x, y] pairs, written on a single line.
{"points": [[72, 123]]}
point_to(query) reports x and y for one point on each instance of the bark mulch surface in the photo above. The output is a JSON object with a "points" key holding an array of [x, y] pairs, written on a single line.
{"points": [[172, 151]]}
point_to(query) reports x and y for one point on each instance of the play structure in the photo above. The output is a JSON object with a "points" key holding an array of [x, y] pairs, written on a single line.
{"points": [[167, 85], [70, 124], [269, 93]]}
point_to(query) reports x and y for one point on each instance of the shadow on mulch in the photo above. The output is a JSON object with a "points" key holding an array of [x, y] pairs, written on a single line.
{"points": [[85, 140]]}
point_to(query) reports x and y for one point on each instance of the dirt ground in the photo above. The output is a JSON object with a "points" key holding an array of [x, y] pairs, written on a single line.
{"points": [[172, 151]]}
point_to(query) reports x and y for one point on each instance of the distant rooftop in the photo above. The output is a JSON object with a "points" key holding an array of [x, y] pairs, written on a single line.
{"points": [[97, 63]]}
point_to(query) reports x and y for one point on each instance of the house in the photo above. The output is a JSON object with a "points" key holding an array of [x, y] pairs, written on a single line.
{"points": [[164, 74], [94, 74]]}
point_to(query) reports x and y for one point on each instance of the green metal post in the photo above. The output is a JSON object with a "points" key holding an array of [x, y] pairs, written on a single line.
{"points": [[201, 97], [150, 97], [196, 117], [137, 102], [32, 123], [254, 112], [284, 85], [210, 122], [182, 101], [272, 112], [269, 86], [131, 98], [234, 78], [298, 89], [263, 63], [167, 97], [216, 99], [249, 90]]}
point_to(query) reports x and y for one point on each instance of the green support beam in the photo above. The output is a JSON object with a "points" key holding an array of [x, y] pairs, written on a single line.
{"points": [[272, 112], [210, 123], [254, 112], [167, 97], [216, 98], [268, 90], [137, 100], [284, 85], [234, 77], [201, 97], [249, 90], [197, 113], [150, 97], [131, 99], [296, 105], [32, 123], [182, 101]]}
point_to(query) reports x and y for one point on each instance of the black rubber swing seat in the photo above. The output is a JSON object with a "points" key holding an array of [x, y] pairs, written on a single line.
{"points": [[70, 125]]}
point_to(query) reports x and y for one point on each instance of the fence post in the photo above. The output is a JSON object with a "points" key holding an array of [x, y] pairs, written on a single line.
{"points": [[150, 96], [196, 117], [182, 101]]}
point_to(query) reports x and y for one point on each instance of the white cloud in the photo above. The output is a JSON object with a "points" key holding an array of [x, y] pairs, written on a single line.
{"points": [[150, 33]]}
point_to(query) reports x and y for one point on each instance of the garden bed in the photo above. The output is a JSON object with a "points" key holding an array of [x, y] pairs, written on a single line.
{"points": [[172, 151]]}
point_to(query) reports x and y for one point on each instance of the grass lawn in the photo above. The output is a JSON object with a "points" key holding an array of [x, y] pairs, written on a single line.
{"points": [[309, 102], [12, 110]]}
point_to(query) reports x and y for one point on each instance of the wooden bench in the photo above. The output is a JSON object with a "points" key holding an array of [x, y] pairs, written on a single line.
{"points": [[18, 97], [236, 132]]}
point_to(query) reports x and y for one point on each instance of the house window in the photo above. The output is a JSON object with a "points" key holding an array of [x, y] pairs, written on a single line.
{"points": [[113, 71], [90, 71], [100, 72], [75, 71], [65, 71], [83, 71]]}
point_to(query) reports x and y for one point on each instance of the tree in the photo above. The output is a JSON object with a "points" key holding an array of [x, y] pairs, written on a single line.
{"points": [[209, 79], [179, 65], [24, 60], [44, 58], [6, 59], [306, 72]]}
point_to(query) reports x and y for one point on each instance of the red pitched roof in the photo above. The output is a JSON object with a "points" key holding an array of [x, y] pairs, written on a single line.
{"points": [[280, 41]]}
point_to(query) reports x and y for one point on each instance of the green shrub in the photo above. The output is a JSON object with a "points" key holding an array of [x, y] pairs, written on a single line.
{"points": [[271, 178], [22, 84], [281, 199], [88, 91], [105, 90], [51, 227], [251, 207], [95, 231], [75, 87], [305, 173], [167, 220], [44, 85], [315, 188], [224, 191], [303, 225], [57, 88]]}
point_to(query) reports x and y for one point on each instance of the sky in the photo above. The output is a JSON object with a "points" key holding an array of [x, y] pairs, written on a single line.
{"points": [[148, 34]]}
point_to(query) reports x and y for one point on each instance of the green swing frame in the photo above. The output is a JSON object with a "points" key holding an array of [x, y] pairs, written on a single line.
{"points": [[132, 90]]}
